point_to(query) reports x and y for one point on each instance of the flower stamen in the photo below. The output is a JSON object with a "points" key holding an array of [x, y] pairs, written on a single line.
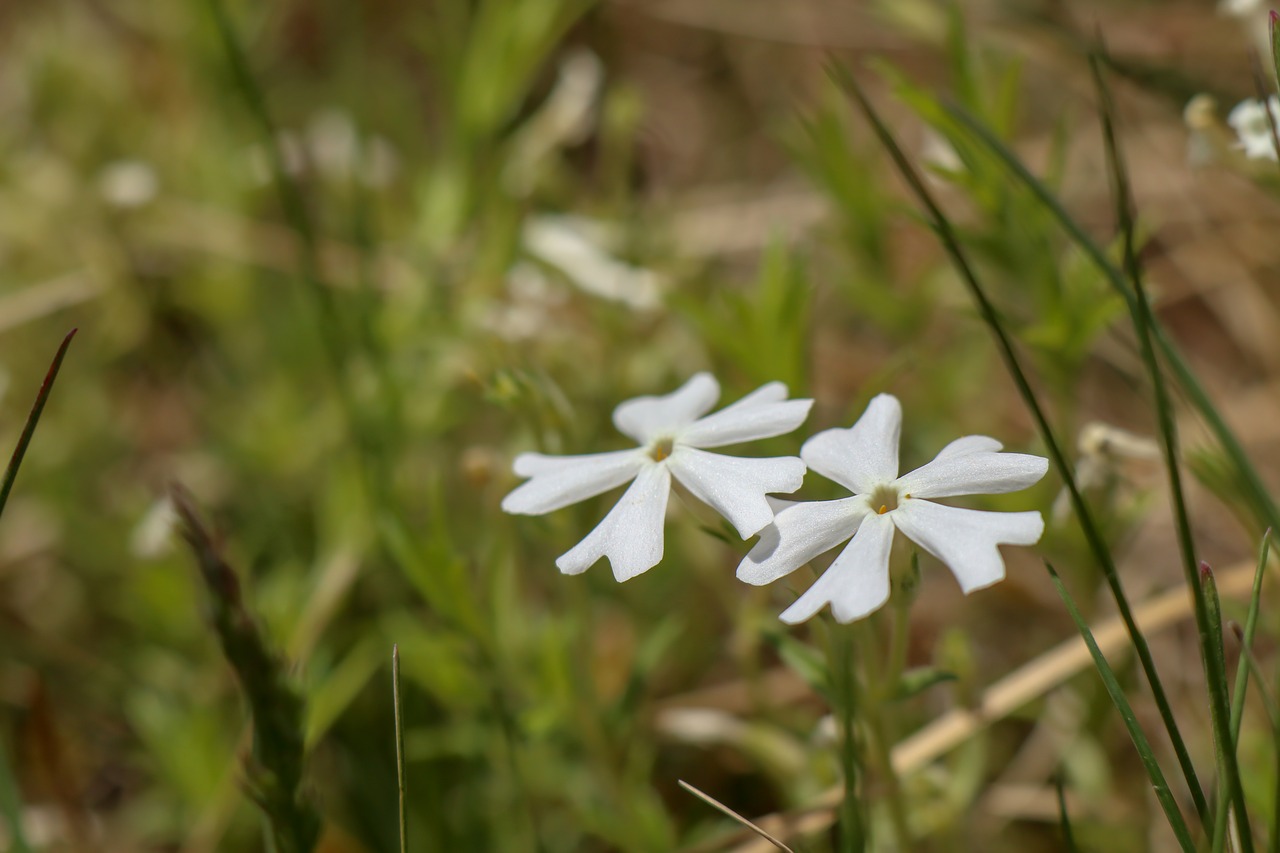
{"points": [[661, 449], [886, 498]]}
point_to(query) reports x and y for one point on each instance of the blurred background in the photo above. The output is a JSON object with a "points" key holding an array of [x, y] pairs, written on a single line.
{"points": [[501, 218]]}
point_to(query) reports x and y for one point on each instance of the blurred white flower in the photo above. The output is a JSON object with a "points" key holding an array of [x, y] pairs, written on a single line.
{"points": [[339, 153], [864, 459], [1249, 121], [566, 118], [673, 432], [128, 184], [531, 307], [152, 537], [1102, 448], [573, 245], [331, 147]]}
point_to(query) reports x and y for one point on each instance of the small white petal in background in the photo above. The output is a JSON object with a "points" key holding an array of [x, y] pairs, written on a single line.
{"points": [[153, 535], [128, 184], [529, 309], [566, 118], [1101, 449], [1249, 120], [864, 459], [673, 432], [575, 247]]}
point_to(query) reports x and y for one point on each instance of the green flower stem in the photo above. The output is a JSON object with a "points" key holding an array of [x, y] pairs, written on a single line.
{"points": [[881, 686], [947, 236], [845, 693]]}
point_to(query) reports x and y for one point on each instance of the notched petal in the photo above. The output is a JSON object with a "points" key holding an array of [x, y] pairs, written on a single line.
{"points": [[631, 535], [863, 456], [558, 481], [735, 486], [799, 533], [857, 583], [647, 418], [761, 414], [967, 540], [974, 472]]}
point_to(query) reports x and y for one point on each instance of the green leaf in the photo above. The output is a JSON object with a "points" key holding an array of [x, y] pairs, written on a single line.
{"points": [[919, 679]]}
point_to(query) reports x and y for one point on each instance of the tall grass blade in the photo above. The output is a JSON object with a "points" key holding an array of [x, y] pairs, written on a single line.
{"points": [[1273, 717], [1140, 742], [1246, 639], [950, 241], [1230, 788], [1208, 627], [1064, 819], [401, 787], [28, 430]]}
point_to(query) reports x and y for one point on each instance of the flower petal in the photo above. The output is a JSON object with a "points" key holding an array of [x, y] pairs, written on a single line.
{"points": [[800, 532], [647, 418], [763, 413], [967, 539], [559, 481], [970, 444], [631, 534], [863, 456], [857, 582], [735, 486], [973, 466]]}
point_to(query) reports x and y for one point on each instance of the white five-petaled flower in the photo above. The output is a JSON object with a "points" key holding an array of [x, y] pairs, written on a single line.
{"points": [[1249, 120], [674, 436], [864, 459]]}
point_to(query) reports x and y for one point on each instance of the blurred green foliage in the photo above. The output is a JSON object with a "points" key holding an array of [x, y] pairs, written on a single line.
{"points": [[351, 427]]}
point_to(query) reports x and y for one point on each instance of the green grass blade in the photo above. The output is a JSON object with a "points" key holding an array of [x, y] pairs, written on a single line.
{"points": [[1250, 627], [1064, 819], [1273, 717], [401, 787], [1208, 628], [28, 430], [951, 243], [1242, 670], [1140, 742], [1230, 788]]}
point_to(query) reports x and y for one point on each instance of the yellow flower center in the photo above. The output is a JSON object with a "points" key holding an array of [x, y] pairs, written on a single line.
{"points": [[885, 499], [661, 449]]}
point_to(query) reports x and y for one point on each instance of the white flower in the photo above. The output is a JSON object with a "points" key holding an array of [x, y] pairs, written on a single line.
{"points": [[1249, 120], [674, 436], [864, 459]]}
